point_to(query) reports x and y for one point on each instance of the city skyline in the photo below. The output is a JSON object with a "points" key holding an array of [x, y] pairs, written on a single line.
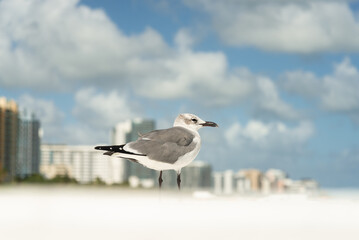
{"points": [[117, 171], [281, 79], [82, 164], [85, 165]]}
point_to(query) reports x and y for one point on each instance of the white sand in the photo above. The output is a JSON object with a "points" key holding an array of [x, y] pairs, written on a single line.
{"points": [[87, 213]]}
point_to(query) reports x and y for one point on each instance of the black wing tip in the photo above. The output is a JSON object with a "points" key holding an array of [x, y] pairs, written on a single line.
{"points": [[113, 148], [116, 148]]}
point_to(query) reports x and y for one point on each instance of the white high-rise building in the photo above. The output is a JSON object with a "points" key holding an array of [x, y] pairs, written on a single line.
{"points": [[224, 182], [120, 131], [128, 131], [242, 183], [218, 182], [228, 182], [82, 163]]}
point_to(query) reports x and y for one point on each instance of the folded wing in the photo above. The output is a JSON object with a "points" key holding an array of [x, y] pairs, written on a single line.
{"points": [[166, 145]]}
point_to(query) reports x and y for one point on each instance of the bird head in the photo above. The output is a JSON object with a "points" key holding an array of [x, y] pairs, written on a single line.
{"points": [[191, 121]]}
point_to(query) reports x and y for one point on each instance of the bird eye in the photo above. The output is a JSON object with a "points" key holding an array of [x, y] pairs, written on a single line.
{"points": [[194, 120]]}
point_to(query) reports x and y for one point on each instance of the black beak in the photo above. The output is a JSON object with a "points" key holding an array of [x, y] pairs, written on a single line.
{"points": [[209, 124]]}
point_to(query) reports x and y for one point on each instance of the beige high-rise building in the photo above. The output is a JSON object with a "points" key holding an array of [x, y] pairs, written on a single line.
{"points": [[9, 126], [254, 176]]}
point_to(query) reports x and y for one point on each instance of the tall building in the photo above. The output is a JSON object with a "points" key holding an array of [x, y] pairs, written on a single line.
{"points": [[9, 125], [243, 184], [228, 182], [224, 182], [218, 182], [276, 179], [128, 131], [254, 176], [196, 175], [82, 163], [28, 159]]}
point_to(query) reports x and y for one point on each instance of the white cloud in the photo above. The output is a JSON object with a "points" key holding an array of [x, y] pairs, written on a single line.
{"points": [[82, 134], [273, 136], [101, 110], [232, 132], [63, 45], [184, 39], [258, 144], [95, 113], [285, 26], [268, 101], [43, 109], [302, 83], [341, 90], [50, 116], [337, 92], [66, 43]]}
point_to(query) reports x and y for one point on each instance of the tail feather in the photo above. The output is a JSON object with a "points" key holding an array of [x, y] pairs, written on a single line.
{"points": [[116, 149]]}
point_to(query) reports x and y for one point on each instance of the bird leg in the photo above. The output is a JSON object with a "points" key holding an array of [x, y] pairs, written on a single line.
{"points": [[160, 179], [179, 181]]}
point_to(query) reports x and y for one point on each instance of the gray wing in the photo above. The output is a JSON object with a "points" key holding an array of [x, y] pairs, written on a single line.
{"points": [[165, 145]]}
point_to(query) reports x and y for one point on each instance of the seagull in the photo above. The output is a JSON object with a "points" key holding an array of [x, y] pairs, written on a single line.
{"points": [[165, 149]]}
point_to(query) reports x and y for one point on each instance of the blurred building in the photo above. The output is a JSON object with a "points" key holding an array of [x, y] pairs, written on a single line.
{"points": [[228, 182], [28, 158], [224, 182], [254, 181], [217, 182], [301, 186], [196, 175], [128, 131], [254, 176], [265, 185], [82, 163], [276, 179], [9, 125], [242, 183]]}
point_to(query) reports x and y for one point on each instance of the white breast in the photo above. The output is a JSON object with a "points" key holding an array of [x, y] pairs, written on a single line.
{"points": [[190, 156]]}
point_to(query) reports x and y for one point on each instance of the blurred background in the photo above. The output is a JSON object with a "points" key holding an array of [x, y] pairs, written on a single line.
{"points": [[280, 78]]}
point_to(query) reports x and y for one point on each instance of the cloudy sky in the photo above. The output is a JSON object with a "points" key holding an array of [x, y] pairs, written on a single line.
{"points": [[281, 78]]}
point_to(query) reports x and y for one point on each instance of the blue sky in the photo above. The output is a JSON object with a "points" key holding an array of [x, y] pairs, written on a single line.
{"points": [[280, 78]]}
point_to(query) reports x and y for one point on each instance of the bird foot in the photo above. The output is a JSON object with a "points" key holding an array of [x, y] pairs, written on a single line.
{"points": [[179, 181], [160, 180]]}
